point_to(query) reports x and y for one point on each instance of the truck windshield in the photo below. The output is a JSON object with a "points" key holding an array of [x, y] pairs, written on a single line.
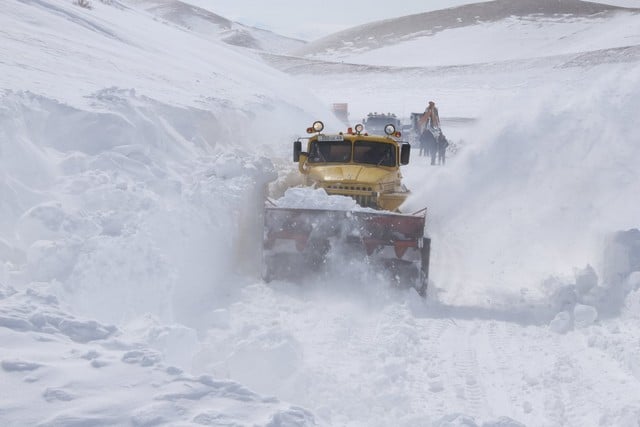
{"points": [[330, 152], [374, 153], [375, 124]]}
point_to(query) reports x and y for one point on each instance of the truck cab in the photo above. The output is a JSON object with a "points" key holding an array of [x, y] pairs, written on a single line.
{"points": [[356, 164], [374, 123]]}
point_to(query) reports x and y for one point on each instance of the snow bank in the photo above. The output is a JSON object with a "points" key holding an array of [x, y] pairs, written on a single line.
{"points": [[136, 385], [132, 174], [133, 171], [132, 177], [114, 216], [546, 179]]}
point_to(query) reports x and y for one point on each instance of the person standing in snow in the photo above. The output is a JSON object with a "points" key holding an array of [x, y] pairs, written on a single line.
{"points": [[427, 143], [429, 124], [435, 140], [424, 139], [442, 148]]}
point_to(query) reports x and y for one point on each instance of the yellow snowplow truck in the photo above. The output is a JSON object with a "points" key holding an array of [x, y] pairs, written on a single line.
{"points": [[366, 168]]}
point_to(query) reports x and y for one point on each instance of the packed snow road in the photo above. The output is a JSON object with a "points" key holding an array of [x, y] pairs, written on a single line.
{"points": [[382, 359]]}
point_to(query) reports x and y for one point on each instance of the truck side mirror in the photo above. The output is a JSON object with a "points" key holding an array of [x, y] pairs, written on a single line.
{"points": [[405, 152], [297, 148]]}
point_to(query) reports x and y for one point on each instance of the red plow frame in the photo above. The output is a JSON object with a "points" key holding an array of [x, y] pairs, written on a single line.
{"points": [[399, 236]]}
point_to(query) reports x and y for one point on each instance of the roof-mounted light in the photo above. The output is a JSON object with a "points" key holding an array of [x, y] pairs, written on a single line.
{"points": [[359, 128], [316, 127], [390, 129]]}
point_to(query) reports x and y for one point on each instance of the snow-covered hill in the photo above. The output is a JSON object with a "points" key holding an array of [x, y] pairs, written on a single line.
{"points": [[484, 32], [135, 153], [210, 25]]}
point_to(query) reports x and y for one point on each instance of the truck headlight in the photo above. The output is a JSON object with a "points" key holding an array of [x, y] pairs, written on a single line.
{"points": [[389, 129]]}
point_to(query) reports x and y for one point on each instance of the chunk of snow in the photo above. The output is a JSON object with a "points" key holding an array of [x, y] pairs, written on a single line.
{"points": [[561, 323], [314, 198], [584, 315], [586, 279]]}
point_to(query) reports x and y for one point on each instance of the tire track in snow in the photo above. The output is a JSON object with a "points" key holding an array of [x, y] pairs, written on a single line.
{"points": [[470, 390], [585, 394], [435, 328], [506, 364], [459, 372], [567, 387], [558, 405], [335, 370], [426, 390], [582, 385], [404, 357], [432, 386], [576, 412], [410, 359]]}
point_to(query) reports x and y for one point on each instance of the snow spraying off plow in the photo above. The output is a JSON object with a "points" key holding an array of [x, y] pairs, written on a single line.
{"points": [[349, 205], [297, 241]]}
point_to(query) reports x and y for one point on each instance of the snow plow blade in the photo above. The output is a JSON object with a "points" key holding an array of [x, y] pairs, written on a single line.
{"points": [[297, 241]]}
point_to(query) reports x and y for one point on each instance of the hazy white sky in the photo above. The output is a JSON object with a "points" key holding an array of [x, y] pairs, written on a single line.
{"points": [[313, 19]]}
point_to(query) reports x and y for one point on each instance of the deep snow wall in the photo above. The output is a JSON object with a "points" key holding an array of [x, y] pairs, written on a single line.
{"points": [[136, 206], [133, 157], [547, 174]]}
